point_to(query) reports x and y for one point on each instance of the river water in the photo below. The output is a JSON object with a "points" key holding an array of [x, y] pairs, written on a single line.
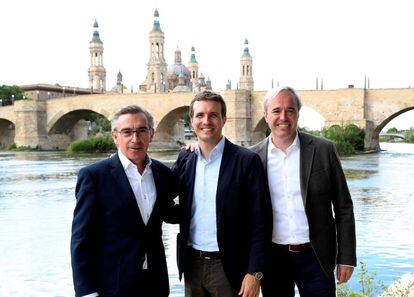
{"points": [[37, 201]]}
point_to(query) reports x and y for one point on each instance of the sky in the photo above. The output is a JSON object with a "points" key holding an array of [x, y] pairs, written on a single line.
{"points": [[292, 42]]}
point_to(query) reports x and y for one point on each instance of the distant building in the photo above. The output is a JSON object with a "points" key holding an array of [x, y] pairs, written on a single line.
{"points": [[48, 91]]}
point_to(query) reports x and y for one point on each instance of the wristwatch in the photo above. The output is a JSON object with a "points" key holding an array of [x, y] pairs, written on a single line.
{"points": [[257, 275]]}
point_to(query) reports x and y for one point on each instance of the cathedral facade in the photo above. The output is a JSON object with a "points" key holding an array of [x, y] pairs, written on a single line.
{"points": [[161, 77]]}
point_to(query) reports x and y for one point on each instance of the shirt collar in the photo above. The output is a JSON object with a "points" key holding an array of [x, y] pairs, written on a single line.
{"points": [[217, 150], [295, 143], [127, 163]]}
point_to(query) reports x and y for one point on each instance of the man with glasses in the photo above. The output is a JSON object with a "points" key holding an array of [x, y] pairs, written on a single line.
{"points": [[116, 243]]}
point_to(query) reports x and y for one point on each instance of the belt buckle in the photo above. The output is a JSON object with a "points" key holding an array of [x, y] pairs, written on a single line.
{"points": [[292, 251], [203, 256]]}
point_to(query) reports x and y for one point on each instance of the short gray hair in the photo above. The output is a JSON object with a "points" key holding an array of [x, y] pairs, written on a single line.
{"points": [[274, 92], [132, 109]]}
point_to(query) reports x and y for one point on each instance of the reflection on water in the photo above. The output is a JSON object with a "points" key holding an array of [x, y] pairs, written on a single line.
{"points": [[384, 206], [37, 201]]}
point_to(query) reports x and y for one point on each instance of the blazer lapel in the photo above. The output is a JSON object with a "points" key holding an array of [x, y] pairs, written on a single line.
{"points": [[307, 151], [119, 175], [189, 179], [223, 178], [262, 152], [158, 188]]}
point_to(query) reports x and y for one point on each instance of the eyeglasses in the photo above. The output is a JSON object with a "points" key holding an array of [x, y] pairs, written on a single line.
{"points": [[140, 132]]}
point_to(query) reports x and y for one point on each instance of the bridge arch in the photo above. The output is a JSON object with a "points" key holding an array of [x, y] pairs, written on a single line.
{"points": [[260, 131], [377, 130], [170, 131], [68, 127], [75, 109], [7, 133], [390, 118]]}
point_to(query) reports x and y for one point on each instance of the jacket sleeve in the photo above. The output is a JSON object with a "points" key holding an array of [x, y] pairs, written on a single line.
{"points": [[84, 232], [344, 213], [261, 208], [171, 212]]}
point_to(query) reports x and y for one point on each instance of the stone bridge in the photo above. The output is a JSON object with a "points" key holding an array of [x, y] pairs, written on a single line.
{"points": [[54, 123]]}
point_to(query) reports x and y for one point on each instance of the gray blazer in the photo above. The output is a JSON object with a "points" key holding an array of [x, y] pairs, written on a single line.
{"points": [[323, 185]]}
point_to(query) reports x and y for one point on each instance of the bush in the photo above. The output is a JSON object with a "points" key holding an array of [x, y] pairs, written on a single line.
{"points": [[409, 136], [96, 144], [347, 139]]}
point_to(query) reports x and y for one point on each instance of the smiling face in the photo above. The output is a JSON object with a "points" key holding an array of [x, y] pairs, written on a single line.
{"points": [[135, 145], [282, 116], [207, 121]]}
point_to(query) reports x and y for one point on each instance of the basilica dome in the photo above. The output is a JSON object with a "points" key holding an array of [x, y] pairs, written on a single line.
{"points": [[178, 69]]}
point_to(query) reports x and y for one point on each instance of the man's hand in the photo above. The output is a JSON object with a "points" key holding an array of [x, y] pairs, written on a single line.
{"points": [[343, 273], [250, 286], [191, 146]]}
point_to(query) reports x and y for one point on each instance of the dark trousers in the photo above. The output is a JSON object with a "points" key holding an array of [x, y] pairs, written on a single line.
{"points": [[285, 269], [206, 278]]}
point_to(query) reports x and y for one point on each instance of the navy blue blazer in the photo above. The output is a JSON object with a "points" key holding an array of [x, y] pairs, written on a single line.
{"points": [[109, 238], [243, 211]]}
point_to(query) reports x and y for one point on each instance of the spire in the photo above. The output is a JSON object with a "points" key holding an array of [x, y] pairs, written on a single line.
{"points": [[156, 27], [95, 36], [177, 59], [193, 58], [119, 77], [246, 48]]}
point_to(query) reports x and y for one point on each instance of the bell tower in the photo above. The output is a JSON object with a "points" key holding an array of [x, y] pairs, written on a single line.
{"points": [[246, 69], [193, 68], [96, 72], [157, 67]]}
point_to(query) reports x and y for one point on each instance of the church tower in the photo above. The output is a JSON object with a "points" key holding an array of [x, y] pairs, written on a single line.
{"points": [[96, 72], [246, 69], [157, 67], [193, 68]]}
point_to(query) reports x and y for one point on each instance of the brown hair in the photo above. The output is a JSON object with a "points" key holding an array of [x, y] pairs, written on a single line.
{"points": [[209, 96]]}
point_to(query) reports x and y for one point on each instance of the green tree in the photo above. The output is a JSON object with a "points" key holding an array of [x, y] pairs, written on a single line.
{"points": [[7, 93], [347, 139], [393, 130], [102, 124], [409, 136]]}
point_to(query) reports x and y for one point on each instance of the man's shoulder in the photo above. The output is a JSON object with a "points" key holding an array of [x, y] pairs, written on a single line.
{"points": [[159, 165], [100, 163], [258, 146], [314, 140], [241, 151]]}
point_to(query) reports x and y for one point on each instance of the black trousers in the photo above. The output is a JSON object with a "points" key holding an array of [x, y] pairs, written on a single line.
{"points": [[284, 269]]}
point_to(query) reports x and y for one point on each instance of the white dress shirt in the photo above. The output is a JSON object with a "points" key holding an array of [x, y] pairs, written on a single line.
{"points": [[290, 224], [203, 225], [143, 185]]}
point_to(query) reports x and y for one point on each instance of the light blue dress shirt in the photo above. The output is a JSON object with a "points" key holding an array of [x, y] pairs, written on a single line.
{"points": [[203, 226]]}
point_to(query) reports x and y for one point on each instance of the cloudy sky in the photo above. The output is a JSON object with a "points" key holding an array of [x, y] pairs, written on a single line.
{"points": [[292, 42]]}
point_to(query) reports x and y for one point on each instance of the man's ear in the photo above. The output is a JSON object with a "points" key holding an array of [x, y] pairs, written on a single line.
{"points": [[114, 137], [152, 132]]}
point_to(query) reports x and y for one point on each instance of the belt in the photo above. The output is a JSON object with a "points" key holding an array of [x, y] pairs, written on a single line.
{"points": [[204, 255], [295, 248]]}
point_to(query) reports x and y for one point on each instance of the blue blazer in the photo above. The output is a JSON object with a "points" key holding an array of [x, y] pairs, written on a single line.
{"points": [[243, 211], [109, 238]]}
